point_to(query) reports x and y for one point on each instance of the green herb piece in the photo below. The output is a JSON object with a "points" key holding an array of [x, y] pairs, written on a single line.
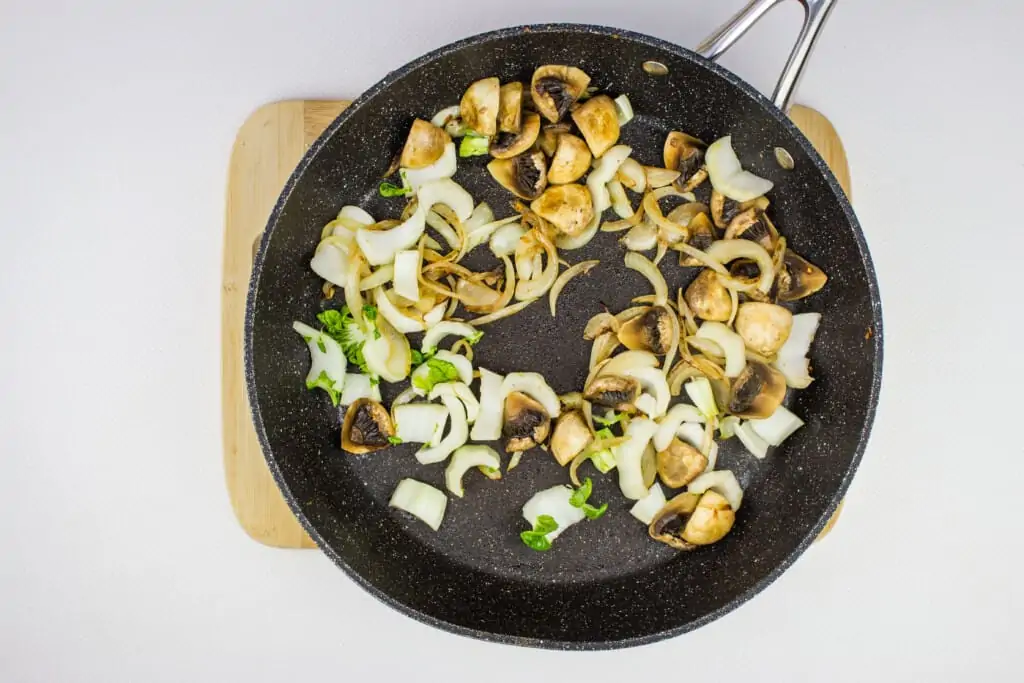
{"points": [[320, 345], [537, 538], [474, 145], [592, 512], [475, 337], [394, 440], [609, 421], [417, 358], [374, 381], [604, 433], [341, 326], [323, 381], [391, 190], [579, 500], [438, 372], [604, 461]]}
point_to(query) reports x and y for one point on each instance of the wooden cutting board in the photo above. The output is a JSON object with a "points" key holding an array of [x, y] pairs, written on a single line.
{"points": [[267, 149]]}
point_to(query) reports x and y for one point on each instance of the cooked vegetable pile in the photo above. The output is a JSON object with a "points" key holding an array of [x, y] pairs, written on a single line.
{"points": [[726, 343]]}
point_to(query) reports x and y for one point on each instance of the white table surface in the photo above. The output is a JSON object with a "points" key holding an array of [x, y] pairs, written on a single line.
{"points": [[119, 556]]}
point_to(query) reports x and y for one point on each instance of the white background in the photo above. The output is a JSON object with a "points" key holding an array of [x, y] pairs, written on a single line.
{"points": [[119, 555]]}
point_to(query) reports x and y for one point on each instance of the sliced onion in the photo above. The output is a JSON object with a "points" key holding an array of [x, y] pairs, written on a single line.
{"points": [[724, 251], [438, 223], [673, 344], [357, 386], [400, 321], [461, 363], [419, 422], [776, 428], [623, 109], [505, 238], [406, 274], [379, 246], [727, 427], [670, 231], [457, 435], [654, 385], [731, 343], [620, 202], [720, 481], [381, 276], [659, 177], [465, 458], [435, 314], [331, 263], [501, 313], [643, 265], [629, 457], [485, 232], [462, 392], [603, 347], [326, 357], [750, 439], [481, 216], [700, 392], [563, 279], [492, 406], [603, 172], [533, 385], [643, 237], [553, 502], [727, 175], [792, 359], [542, 282], [691, 433], [447, 192], [420, 500], [624, 362], [442, 168], [450, 120], [571, 242], [668, 425], [354, 214], [631, 175], [648, 507], [433, 337]]}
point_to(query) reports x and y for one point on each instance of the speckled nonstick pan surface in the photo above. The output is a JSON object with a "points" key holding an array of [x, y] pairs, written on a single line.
{"points": [[605, 583]]}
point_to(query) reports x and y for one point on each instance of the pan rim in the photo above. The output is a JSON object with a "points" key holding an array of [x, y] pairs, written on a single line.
{"points": [[770, 110]]}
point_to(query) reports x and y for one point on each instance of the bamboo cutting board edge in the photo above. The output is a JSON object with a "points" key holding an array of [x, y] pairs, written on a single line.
{"points": [[267, 148]]}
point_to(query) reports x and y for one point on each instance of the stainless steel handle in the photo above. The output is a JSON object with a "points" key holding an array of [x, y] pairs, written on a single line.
{"points": [[815, 14]]}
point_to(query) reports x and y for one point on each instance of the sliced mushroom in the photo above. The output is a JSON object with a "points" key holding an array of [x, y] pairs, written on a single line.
{"points": [[527, 424], [479, 106], [597, 120], [690, 520], [613, 391], [555, 88], [424, 146], [571, 159], [723, 209], [748, 272], [570, 437], [752, 224], [764, 327], [568, 207], [508, 145], [599, 324], [680, 463], [525, 175], [510, 108], [685, 153], [667, 526], [366, 428], [708, 298], [799, 277], [649, 331], [549, 134], [757, 392], [702, 234]]}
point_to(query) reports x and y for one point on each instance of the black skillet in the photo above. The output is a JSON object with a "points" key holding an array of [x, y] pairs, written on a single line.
{"points": [[604, 584]]}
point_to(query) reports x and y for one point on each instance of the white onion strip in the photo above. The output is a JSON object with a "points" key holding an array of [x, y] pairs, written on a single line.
{"points": [[563, 279], [645, 267], [501, 313], [420, 500]]}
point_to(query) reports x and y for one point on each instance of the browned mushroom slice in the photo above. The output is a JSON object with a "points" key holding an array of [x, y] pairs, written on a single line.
{"points": [[424, 146], [479, 106], [526, 425], [753, 225], [708, 298], [712, 519], [702, 234], [366, 428], [685, 153], [570, 160], [570, 437], [555, 88], [567, 207], [748, 272], [549, 134], [723, 209], [667, 526], [649, 331], [510, 108], [524, 176], [764, 327], [680, 463], [799, 277], [597, 120], [757, 392], [615, 392], [508, 145]]}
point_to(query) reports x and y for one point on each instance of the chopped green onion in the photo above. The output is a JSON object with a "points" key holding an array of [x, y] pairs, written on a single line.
{"points": [[327, 384], [391, 190], [394, 440], [474, 145], [579, 497], [438, 371], [537, 538], [615, 418], [417, 358]]}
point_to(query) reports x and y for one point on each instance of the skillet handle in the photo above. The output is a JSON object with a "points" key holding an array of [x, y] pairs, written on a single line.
{"points": [[815, 14]]}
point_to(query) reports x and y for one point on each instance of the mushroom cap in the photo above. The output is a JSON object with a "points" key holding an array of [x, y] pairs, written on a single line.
{"points": [[526, 424], [366, 428], [555, 88], [799, 277], [712, 519], [764, 327], [424, 145], [570, 437], [525, 175], [668, 524], [508, 145], [568, 207], [613, 391], [751, 224], [680, 463], [510, 107], [479, 106], [757, 391], [570, 159], [702, 234], [650, 331], [597, 120], [708, 298], [683, 153]]}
